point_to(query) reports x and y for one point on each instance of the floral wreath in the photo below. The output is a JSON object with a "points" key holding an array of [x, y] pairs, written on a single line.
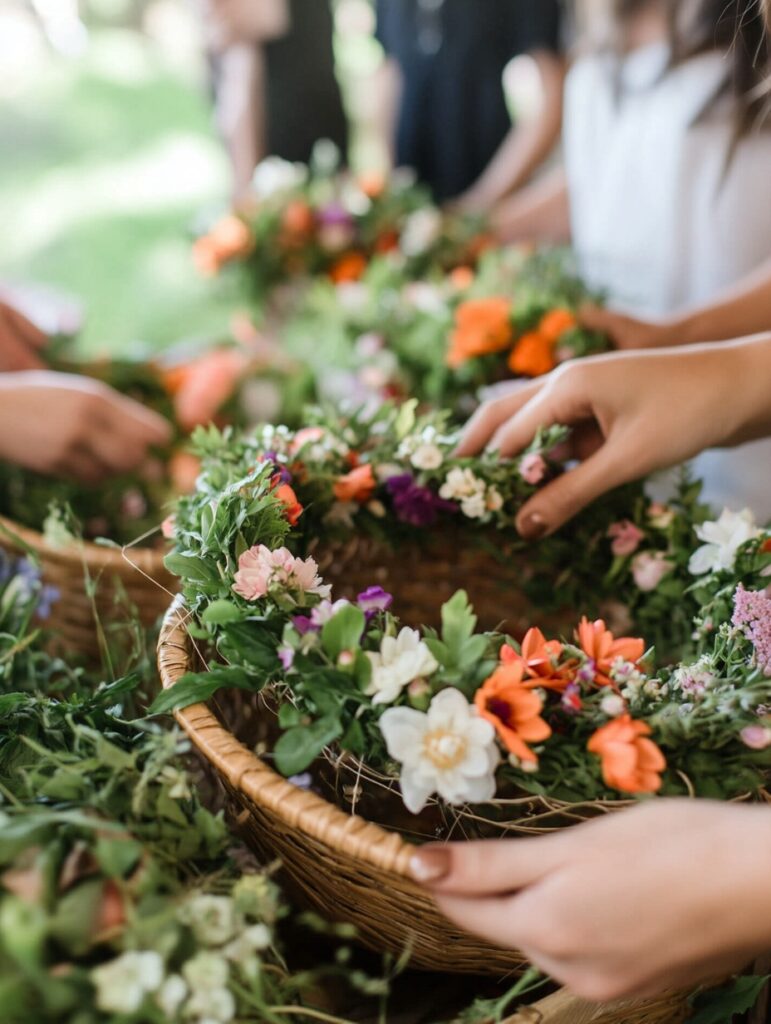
{"points": [[460, 715]]}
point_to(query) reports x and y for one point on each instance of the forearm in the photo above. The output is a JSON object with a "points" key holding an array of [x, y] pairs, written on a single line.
{"points": [[241, 112], [540, 212], [750, 370], [743, 310], [387, 84]]}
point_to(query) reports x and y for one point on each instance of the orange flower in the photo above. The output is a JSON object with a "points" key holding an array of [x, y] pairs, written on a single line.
{"points": [[533, 355], [387, 241], [555, 323], [358, 485], [461, 278], [297, 219], [513, 709], [286, 495], [202, 387], [765, 547], [183, 471], [482, 326], [372, 184], [599, 644], [229, 239], [538, 659], [348, 268], [631, 762]]}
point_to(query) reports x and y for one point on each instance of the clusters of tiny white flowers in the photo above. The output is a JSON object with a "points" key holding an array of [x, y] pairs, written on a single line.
{"points": [[694, 680], [424, 449], [476, 499]]}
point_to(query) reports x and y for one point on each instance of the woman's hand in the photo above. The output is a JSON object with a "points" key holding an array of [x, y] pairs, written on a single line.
{"points": [[627, 332], [20, 341], [661, 896], [64, 425], [631, 413]]}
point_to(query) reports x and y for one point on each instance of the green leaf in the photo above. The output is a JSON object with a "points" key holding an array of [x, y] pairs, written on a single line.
{"points": [[190, 568], [250, 644], [198, 687], [299, 747], [718, 1006], [405, 420], [220, 613], [289, 716], [117, 856], [343, 631]]}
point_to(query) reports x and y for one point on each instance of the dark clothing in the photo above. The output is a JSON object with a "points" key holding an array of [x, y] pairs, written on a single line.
{"points": [[303, 95], [452, 54]]}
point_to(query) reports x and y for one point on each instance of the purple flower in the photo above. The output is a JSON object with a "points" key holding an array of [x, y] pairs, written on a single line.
{"points": [[334, 215], [374, 600], [303, 781], [280, 469], [48, 597], [286, 657], [416, 505], [752, 615], [303, 624]]}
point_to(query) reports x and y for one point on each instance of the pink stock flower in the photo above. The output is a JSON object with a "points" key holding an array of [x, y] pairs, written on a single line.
{"points": [[752, 615], [532, 468], [261, 570], [625, 538], [649, 568]]}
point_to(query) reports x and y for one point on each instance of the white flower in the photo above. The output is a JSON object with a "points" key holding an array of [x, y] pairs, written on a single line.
{"points": [[274, 175], [447, 750], [427, 456], [694, 680], [123, 983], [171, 995], [212, 918], [424, 297], [421, 230], [212, 1006], [206, 971], [243, 948], [494, 499], [401, 659], [723, 539], [612, 705], [475, 506], [462, 485]]}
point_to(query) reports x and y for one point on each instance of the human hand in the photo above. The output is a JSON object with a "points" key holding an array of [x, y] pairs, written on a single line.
{"points": [[660, 896], [20, 341], [627, 332], [630, 413], [64, 425]]}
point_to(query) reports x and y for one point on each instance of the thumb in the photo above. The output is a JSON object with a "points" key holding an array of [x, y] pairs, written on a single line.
{"points": [[486, 867], [564, 497]]}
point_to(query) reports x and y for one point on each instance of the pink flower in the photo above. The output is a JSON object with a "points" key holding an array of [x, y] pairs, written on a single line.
{"points": [[261, 570], [167, 527], [752, 615], [649, 568], [661, 516], [625, 537], [532, 468], [756, 737]]}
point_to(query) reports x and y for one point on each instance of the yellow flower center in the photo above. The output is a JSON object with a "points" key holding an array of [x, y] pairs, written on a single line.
{"points": [[445, 749]]}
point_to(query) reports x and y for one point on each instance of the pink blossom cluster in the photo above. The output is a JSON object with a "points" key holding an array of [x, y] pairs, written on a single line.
{"points": [[752, 614], [261, 570]]}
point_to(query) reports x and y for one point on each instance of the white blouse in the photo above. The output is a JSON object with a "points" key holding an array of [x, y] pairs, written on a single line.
{"points": [[664, 216]]}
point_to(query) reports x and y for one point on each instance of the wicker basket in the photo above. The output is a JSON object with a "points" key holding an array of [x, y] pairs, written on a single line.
{"points": [[422, 576], [345, 867], [134, 577]]}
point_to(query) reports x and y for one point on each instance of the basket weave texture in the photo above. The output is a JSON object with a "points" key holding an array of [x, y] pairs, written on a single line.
{"points": [[355, 871], [137, 577]]}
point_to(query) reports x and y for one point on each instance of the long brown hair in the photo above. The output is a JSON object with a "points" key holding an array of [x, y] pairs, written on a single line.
{"points": [[739, 28]]}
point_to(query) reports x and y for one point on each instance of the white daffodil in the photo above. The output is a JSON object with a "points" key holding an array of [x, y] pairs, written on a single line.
{"points": [[401, 659], [722, 538], [449, 750], [122, 984]]}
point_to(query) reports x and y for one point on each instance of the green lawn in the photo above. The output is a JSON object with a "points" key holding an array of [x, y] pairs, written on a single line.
{"points": [[107, 162]]}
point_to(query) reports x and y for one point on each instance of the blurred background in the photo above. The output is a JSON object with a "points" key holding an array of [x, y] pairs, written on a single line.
{"points": [[110, 158]]}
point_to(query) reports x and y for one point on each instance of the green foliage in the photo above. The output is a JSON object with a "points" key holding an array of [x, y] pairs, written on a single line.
{"points": [[719, 1006]]}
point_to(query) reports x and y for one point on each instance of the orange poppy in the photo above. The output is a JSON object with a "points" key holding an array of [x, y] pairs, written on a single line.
{"points": [[513, 709], [631, 762], [533, 355], [598, 643], [286, 495], [539, 659], [482, 326], [555, 323], [348, 268], [358, 485]]}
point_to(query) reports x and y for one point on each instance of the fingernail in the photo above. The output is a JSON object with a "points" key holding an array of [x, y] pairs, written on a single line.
{"points": [[534, 526], [430, 865]]}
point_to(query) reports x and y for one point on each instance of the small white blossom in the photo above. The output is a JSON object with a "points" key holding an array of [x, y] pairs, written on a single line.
{"points": [[694, 680], [211, 1006], [273, 176], [171, 995], [212, 918], [401, 659], [427, 456], [206, 971], [122, 983], [613, 705], [723, 539], [449, 750], [421, 230]]}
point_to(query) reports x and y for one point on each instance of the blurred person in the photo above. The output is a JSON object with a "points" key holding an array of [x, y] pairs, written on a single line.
{"points": [[442, 93], [664, 193], [276, 91], [62, 424]]}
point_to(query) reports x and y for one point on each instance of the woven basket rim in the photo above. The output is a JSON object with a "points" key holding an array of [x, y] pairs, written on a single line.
{"points": [[123, 558], [297, 808]]}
